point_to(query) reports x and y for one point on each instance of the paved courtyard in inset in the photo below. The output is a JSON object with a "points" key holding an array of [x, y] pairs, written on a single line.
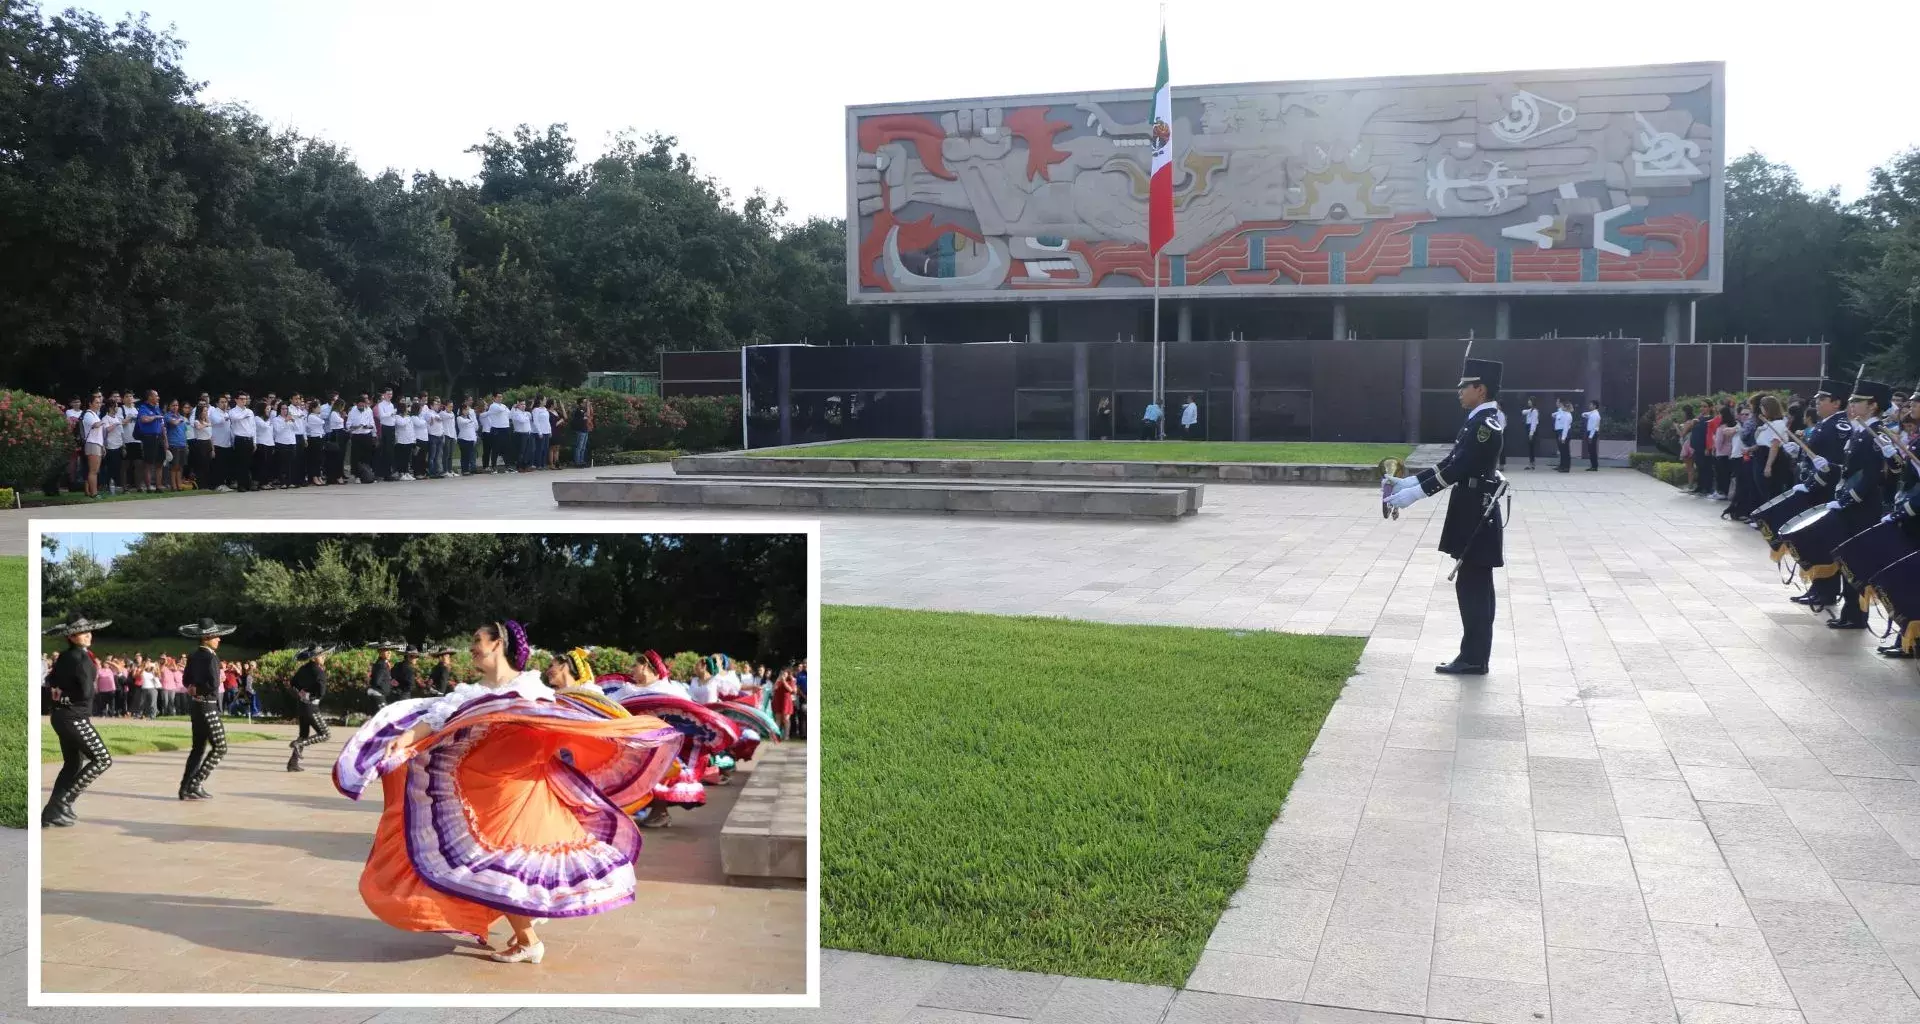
{"points": [[1676, 798]]}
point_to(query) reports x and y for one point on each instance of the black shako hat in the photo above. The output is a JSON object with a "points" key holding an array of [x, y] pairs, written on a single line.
{"points": [[1480, 371], [1833, 389], [1873, 391]]}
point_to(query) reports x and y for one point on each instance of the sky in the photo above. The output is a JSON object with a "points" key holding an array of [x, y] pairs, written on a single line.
{"points": [[104, 547], [757, 92]]}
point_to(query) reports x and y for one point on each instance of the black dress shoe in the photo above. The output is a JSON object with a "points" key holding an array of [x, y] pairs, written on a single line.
{"points": [[1457, 667], [1804, 599], [1845, 624], [1893, 650]]}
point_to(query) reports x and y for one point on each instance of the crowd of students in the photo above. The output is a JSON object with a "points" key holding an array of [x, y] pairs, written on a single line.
{"points": [[232, 443]]}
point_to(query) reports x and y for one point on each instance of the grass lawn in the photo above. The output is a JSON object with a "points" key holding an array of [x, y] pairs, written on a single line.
{"points": [[1050, 795], [13, 695], [124, 738], [1320, 452]]}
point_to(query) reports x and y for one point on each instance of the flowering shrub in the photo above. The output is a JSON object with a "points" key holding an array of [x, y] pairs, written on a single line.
{"points": [[34, 438]]}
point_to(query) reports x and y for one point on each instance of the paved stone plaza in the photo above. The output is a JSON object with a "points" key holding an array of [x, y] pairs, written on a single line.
{"points": [[256, 891], [1677, 798]]}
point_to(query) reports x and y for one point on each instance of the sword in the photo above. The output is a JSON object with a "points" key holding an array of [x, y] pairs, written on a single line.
{"points": [[1493, 505]]}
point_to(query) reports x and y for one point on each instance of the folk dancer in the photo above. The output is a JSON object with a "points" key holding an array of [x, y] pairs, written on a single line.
{"points": [[83, 755], [309, 685], [202, 681], [1824, 449], [1472, 531]]}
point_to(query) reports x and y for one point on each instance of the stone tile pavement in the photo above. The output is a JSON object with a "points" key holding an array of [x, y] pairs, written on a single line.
{"points": [[257, 891], [1677, 798]]}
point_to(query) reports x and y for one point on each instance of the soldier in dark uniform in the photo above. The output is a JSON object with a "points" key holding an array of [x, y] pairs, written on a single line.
{"points": [[309, 685], [1472, 531], [1821, 459], [202, 680], [1858, 499], [1905, 510], [70, 687]]}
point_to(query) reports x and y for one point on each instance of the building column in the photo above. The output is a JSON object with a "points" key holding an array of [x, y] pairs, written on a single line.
{"points": [[1410, 370], [1339, 320], [895, 329], [1186, 320], [1033, 322], [1242, 392], [1080, 411], [1502, 319], [783, 387], [1670, 331], [926, 391]]}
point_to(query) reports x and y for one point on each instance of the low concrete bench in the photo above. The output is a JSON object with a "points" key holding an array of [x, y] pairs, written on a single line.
{"points": [[765, 835], [1088, 499], [1034, 469]]}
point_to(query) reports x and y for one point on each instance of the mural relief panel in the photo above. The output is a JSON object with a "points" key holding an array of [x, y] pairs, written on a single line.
{"points": [[1529, 183]]}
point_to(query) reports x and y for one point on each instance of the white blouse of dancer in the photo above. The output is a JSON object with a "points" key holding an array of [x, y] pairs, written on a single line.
{"points": [[439, 709]]}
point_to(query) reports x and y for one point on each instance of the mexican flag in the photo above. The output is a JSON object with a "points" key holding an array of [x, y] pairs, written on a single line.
{"points": [[1160, 189]]}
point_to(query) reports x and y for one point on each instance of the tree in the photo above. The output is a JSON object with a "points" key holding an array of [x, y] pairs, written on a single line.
{"points": [[63, 579], [1885, 289]]}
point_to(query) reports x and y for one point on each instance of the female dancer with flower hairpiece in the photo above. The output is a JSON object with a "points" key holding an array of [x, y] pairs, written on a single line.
{"points": [[502, 800]]}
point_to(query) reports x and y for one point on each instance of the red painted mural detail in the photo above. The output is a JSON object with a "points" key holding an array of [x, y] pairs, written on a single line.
{"points": [[924, 132], [1384, 249], [914, 235], [1031, 126]]}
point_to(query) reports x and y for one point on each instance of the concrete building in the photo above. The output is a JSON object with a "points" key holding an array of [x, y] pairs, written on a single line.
{"points": [[1511, 205]]}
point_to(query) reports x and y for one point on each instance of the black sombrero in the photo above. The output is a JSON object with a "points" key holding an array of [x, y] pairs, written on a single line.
{"points": [[79, 624], [206, 628], [389, 645], [312, 651]]}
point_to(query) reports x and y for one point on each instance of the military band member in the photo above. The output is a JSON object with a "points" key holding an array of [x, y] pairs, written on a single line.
{"points": [[1905, 510], [1858, 499], [1472, 531], [202, 680], [309, 686], [83, 756], [1821, 459]]}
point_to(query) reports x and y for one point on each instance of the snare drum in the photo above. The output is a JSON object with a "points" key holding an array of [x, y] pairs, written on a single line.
{"points": [[1864, 554], [1897, 589], [1811, 536], [1774, 515]]}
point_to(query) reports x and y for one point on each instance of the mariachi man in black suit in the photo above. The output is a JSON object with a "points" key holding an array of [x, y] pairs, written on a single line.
{"points": [[309, 685], [1472, 531], [1820, 469], [70, 685], [1859, 499], [202, 680], [380, 675]]}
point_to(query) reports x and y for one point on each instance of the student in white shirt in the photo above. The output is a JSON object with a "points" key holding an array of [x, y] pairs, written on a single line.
{"points": [[422, 441], [520, 423], [92, 443], [1562, 431], [466, 428], [240, 422], [542, 433], [200, 445], [336, 443], [1531, 414], [266, 447], [131, 452], [113, 440], [384, 414], [222, 432], [1592, 423], [313, 455], [1189, 418], [436, 438], [403, 445], [362, 437], [494, 421]]}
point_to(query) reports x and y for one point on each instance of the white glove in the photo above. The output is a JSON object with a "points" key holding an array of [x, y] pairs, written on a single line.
{"points": [[1889, 451], [1821, 464], [1834, 505], [1405, 496], [1792, 448], [1799, 488], [1406, 483]]}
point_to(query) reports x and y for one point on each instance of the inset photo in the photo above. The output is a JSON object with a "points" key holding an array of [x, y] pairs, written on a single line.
{"points": [[290, 764]]}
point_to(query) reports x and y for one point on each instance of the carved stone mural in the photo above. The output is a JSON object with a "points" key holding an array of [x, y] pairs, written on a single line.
{"points": [[1544, 182]]}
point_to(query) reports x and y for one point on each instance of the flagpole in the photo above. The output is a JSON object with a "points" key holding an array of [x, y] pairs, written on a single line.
{"points": [[1159, 365]]}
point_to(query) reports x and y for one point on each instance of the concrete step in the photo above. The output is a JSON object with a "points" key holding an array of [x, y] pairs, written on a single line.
{"points": [[1087, 499], [1037, 469], [765, 835]]}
